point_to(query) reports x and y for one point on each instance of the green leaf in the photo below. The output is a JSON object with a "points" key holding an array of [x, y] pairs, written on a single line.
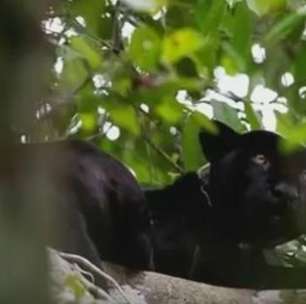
{"points": [[153, 95], [176, 17], [169, 110], [285, 27], [86, 99], [90, 12], [226, 114], [204, 122], [252, 116], [238, 45], [89, 122], [125, 117], [232, 60], [181, 43], [86, 50], [206, 57], [145, 48], [192, 155], [73, 75], [209, 15], [299, 66], [294, 133], [122, 85], [263, 7]]}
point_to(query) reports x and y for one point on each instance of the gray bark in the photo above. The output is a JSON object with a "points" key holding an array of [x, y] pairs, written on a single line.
{"points": [[154, 288]]}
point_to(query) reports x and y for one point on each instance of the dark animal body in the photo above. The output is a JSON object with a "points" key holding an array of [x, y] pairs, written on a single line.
{"points": [[91, 203], [210, 228], [213, 228]]}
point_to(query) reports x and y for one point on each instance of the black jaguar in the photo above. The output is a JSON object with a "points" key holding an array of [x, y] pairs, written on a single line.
{"points": [[212, 227]]}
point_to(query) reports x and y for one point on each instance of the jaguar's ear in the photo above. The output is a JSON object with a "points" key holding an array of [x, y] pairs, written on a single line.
{"points": [[215, 145]]}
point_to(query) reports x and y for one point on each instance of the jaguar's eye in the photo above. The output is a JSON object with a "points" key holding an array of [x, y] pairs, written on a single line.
{"points": [[261, 160]]}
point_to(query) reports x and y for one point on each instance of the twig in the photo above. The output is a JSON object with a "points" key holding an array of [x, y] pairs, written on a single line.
{"points": [[116, 30], [158, 149], [99, 135], [80, 28], [91, 286], [163, 154], [228, 94], [82, 261]]}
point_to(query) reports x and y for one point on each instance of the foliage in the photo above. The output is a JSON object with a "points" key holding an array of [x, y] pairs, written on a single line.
{"points": [[143, 71]]}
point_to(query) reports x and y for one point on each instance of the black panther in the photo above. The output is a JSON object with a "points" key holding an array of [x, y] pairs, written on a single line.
{"points": [[213, 227], [92, 203]]}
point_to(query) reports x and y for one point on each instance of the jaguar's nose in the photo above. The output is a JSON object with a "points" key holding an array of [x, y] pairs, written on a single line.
{"points": [[286, 191]]}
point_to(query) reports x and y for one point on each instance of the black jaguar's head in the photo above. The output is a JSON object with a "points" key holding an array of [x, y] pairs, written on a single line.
{"points": [[258, 193]]}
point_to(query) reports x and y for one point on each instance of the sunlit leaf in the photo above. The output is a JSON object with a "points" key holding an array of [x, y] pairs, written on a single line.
{"points": [[89, 122], [181, 43], [145, 48], [169, 110], [86, 50], [125, 117]]}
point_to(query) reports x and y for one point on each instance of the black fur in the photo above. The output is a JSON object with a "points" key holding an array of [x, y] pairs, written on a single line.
{"points": [[213, 229], [178, 213], [92, 203]]}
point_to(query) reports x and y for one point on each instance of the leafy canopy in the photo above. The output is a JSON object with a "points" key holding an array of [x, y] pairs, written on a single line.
{"points": [[140, 78]]}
